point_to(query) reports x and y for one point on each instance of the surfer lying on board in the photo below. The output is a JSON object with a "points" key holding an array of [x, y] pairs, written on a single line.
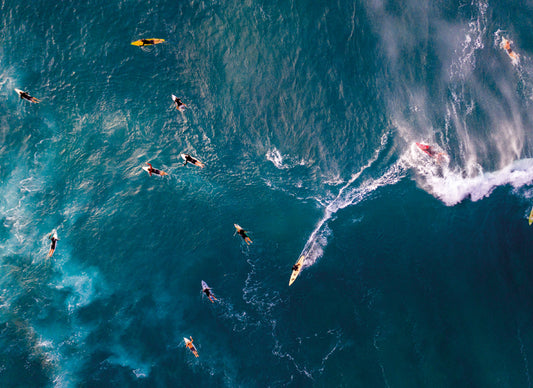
{"points": [[296, 267], [207, 291], [147, 42], [243, 234], [53, 237], [25, 96], [179, 105], [191, 347], [188, 158], [507, 46], [155, 171]]}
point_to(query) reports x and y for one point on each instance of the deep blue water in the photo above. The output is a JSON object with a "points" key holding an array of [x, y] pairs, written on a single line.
{"points": [[418, 273]]}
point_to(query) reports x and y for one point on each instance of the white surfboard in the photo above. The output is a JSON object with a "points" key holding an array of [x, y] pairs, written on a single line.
{"points": [[180, 108], [193, 349], [195, 161], [33, 99], [147, 169], [204, 286]]}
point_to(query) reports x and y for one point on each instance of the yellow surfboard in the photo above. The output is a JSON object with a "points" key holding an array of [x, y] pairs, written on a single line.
{"points": [[296, 272], [531, 217], [147, 42]]}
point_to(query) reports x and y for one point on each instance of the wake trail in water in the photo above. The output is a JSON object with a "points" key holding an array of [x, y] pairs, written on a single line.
{"points": [[348, 196]]}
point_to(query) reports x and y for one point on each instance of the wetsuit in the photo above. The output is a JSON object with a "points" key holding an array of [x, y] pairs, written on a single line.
{"points": [[190, 159], [54, 242]]}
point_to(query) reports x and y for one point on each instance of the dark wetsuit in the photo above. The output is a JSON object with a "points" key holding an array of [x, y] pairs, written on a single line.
{"points": [[26, 96], [190, 159], [54, 242], [207, 291], [242, 233], [295, 267], [147, 41]]}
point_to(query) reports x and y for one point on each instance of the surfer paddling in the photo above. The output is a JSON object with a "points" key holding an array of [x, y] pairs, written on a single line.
{"points": [[147, 42], [506, 45], [150, 170], [179, 105], [191, 346], [207, 291], [189, 159], [53, 237], [243, 234], [25, 96]]}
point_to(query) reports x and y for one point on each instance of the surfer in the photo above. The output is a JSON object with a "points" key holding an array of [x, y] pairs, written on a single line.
{"points": [[25, 96], [191, 347], [53, 237], [155, 171], [243, 234], [431, 152], [207, 292], [179, 105], [189, 159], [507, 46], [147, 42], [296, 269]]}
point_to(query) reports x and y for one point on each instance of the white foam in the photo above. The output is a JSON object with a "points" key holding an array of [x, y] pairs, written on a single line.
{"points": [[347, 196], [276, 158], [465, 61], [314, 247], [452, 187], [123, 358]]}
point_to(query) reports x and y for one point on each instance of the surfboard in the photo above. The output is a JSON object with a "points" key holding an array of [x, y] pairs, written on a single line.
{"points": [[211, 296], [531, 217], [155, 171], [423, 147], [204, 285], [506, 45], [195, 161], [193, 350], [296, 272], [181, 108], [140, 42], [246, 238], [33, 99], [52, 250], [432, 152]]}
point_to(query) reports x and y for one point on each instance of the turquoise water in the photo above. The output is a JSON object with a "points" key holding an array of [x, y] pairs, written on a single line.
{"points": [[305, 114]]}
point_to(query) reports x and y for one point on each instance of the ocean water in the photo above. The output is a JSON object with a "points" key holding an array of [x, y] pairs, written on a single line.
{"points": [[305, 113]]}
